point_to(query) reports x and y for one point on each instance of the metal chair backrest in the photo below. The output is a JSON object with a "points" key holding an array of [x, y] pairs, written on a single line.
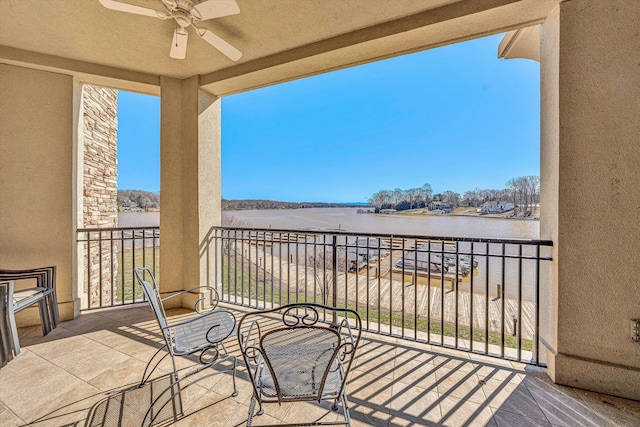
{"points": [[152, 294], [307, 350]]}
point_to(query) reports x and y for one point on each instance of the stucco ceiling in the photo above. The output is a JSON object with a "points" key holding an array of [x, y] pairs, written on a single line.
{"points": [[279, 39]]}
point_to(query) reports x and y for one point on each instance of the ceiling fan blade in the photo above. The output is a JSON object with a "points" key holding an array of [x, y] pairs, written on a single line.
{"points": [[216, 9], [179, 44], [129, 8], [224, 47]]}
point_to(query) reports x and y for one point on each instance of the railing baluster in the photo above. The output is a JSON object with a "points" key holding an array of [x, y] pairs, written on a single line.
{"points": [[471, 297], [519, 319], [486, 301], [502, 295], [442, 292], [415, 289], [428, 291], [456, 308], [536, 336], [402, 290]]}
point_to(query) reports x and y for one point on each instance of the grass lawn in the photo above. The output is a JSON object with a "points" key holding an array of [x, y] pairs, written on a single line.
{"points": [[127, 285]]}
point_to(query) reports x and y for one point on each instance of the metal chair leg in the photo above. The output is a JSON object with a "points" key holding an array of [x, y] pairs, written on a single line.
{"points": [[12, 323]]}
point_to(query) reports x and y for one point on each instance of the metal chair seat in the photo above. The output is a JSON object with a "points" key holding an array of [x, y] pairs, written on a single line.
{"points": [[27, 297], [305, 390], [201, 332]]}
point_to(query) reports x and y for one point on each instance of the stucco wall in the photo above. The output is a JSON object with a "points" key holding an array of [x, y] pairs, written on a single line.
{"points": [[36, 175], [189, 184], [598, 203]]}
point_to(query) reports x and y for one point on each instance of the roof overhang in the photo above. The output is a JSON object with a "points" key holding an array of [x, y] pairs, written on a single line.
{"points": [[521, 43], [280, 41]]}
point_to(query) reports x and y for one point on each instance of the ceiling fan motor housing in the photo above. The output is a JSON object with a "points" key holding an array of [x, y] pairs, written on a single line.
{"points": [[183, 12]]}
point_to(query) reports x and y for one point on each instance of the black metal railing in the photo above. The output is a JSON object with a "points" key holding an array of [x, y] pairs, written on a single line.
{"points": [[478, 295], [109, 256], [472, 294]]}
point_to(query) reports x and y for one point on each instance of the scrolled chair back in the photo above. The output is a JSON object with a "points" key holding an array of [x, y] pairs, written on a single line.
{"points": [[299, 351]]}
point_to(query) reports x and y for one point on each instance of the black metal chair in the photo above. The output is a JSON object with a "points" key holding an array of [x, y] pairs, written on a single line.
{"points": [[44, 294], [201, 334], [299, 352]]}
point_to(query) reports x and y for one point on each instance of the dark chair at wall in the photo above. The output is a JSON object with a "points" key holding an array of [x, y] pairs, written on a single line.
{"points": [[6, 331], [43, 293], [300, 353]]}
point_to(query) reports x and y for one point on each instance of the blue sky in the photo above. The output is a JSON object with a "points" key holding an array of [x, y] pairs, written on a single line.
{"points": [[455, 117]]}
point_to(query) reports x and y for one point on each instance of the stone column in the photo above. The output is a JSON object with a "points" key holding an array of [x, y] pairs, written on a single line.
{"points": [[189, 183], [590, 75], [99, 188]]}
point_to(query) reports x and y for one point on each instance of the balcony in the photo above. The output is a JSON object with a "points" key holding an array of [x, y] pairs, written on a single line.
{"points": [[89, 367]]}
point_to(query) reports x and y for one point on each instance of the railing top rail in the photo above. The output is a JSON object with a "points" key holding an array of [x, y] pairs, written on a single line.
{"points": [[91, 230], [392, 236]]}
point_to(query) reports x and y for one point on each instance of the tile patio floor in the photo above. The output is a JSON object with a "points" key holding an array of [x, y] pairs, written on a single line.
{"points": [[88, 367]]}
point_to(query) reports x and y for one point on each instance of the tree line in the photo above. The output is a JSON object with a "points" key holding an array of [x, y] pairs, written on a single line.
{"points": [[232, 205], [523, 192], [137, 199], [146, 200]]}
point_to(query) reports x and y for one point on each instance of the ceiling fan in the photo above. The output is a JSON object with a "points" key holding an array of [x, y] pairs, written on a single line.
{"points": [[186, 14]]}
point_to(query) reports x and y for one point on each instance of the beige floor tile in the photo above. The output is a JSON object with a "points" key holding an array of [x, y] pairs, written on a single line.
{"points": [[8, 418], [211, 409], [562, 410], [414, 372], [488, 372], [498, 392], [614, 411], [537, 379], [32, 336], [130, 315], [369, 417], [394, 382], [457, 412], [87, 323], [96, 361], [370, 389], [310, 412], [372, 356], [460, 384], [115, 376], [414, 406], [417, 351], [513, 398], [503, 418]]}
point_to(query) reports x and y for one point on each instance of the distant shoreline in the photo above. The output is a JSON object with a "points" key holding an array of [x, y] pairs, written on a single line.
{"points": [[465, 212]]}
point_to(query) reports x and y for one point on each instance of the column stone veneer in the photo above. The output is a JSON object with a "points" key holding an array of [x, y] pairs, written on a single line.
{"points": [[590, 157], [190, 193], [99, 187]]}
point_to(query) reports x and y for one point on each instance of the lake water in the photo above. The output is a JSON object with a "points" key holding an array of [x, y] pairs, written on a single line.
{"points": [[347, 219]]}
